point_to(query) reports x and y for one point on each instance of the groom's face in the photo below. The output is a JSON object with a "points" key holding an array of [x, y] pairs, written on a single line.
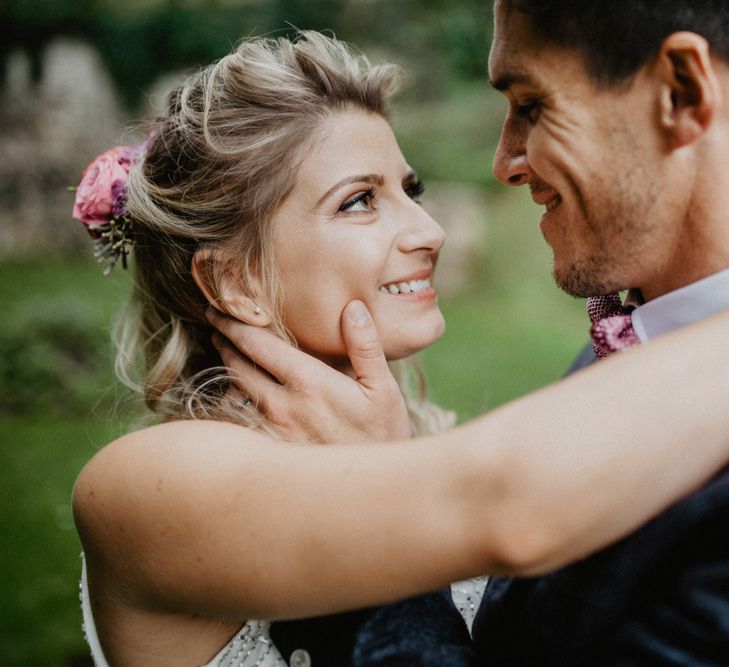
{"points": [[589, 154]]}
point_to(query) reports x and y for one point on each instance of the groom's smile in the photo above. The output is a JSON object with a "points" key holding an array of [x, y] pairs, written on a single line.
{"points": [[543, 195]]}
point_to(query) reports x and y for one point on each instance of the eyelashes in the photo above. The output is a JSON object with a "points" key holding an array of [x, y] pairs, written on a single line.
{"points": [[363, 201], [414, 189], [364, 197]]}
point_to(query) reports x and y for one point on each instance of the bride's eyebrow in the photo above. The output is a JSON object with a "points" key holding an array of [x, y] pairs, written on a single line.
{"points": [[371, 179]]}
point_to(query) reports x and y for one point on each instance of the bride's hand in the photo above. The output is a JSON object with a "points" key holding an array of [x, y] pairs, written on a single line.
{"points": [[308, 400]]}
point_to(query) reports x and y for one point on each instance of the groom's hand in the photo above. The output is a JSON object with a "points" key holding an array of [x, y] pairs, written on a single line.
{"points": [[306, 399]]}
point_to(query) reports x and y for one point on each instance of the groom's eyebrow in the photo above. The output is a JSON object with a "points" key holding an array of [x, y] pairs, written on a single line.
{"points": [[372, 179], [506, 80]]}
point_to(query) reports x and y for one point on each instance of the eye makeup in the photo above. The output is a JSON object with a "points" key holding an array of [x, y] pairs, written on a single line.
{"points": [[365, 198]]}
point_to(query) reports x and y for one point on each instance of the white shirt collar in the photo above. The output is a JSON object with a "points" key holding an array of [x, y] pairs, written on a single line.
{"points": [[683, 306]]}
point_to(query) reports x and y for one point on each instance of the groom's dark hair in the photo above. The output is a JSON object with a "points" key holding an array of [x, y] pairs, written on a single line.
{"points": [[617, 38]]}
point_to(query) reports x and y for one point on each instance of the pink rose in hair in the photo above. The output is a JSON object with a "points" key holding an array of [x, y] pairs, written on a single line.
{"points": [[102, 185]]}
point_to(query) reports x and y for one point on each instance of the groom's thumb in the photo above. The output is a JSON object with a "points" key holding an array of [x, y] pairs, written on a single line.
{"points": [[364, 347]]}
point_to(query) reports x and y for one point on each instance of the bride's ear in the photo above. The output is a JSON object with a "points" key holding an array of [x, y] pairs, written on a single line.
{"points": [[224, 292]]}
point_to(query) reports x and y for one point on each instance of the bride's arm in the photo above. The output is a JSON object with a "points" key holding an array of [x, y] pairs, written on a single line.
{"points": [[214, 519]]}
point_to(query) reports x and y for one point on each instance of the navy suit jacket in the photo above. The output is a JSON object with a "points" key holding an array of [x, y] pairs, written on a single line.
{"points": [[658, 597], [425, 631]]}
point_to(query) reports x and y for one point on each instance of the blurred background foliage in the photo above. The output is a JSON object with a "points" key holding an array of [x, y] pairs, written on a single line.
{"points": [[509, 329], [138, 39]]}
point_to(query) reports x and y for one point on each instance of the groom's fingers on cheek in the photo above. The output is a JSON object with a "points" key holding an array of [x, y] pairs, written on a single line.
{"points": [[224, 324], [233, 330], [215, 317], [218, 340], [244, 339], [244, 373], [270, 353], [275, 358], [286, 364]]}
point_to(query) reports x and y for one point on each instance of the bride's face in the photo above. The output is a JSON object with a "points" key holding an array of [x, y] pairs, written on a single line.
{"points": [[352, 229]]}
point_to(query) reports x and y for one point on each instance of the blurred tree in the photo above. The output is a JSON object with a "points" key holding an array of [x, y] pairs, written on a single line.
{"points": [[141, 39], [31, 25]]}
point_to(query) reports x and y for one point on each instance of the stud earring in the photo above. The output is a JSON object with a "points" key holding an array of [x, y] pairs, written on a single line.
{"points": [[257, 310]]}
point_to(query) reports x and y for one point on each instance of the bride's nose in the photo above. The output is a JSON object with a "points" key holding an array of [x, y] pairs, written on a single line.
{"points": [[420, 232]]}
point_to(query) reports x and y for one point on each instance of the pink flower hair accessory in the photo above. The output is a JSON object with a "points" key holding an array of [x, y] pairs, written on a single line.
{"points": [[101, 203]]}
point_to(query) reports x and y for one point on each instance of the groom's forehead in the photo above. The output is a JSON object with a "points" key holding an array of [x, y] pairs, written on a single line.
{"points": [[519, 55]]}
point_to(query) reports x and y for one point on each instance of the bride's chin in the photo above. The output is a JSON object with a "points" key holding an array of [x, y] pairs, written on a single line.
{"points": [[395, 346], [397, 355], [400, 351]]}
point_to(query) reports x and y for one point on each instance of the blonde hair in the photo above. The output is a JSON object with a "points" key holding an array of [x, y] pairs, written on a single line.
{"points": [[222, 160]]}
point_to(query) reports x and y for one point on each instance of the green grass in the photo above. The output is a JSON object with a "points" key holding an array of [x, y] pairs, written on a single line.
{"points": [[30, 286], [511, 332], [40, 619], [40, 456]]}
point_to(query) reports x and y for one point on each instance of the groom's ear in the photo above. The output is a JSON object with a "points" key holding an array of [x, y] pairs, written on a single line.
{"points": [[690, 91], [224, 290]]}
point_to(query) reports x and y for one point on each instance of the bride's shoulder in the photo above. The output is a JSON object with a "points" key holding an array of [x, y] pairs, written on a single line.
{"points": [[182, 430], [174, 437], [130, 471]]}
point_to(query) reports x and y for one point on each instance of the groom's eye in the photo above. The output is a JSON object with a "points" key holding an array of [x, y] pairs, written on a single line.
{"points": [[528, 110]]}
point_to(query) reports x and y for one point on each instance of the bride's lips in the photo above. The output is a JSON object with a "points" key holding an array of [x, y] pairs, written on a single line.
{"points": [[412, 287]]}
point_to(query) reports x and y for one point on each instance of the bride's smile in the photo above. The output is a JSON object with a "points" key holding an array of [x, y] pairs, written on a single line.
{"points": [[352, 228], [416, 285]]}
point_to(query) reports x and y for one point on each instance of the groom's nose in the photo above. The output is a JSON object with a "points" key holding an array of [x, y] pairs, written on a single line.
{"points": [[511, 165]]}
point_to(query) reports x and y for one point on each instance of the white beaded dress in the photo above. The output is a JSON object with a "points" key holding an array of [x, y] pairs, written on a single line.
{"points": [[252, 645]]}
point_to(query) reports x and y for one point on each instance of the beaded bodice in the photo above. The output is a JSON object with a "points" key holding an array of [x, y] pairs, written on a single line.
{"points": [[251, 647], [467, 597]]}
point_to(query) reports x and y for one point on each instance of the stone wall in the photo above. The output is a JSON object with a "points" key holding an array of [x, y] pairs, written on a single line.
{"points": [[49, 130]]}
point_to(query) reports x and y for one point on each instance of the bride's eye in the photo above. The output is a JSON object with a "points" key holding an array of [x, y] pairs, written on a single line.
{"points": [[362, 201]]}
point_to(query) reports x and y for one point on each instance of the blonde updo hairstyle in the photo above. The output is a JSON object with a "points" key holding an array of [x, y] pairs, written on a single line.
{"points": [[221, 161]]}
